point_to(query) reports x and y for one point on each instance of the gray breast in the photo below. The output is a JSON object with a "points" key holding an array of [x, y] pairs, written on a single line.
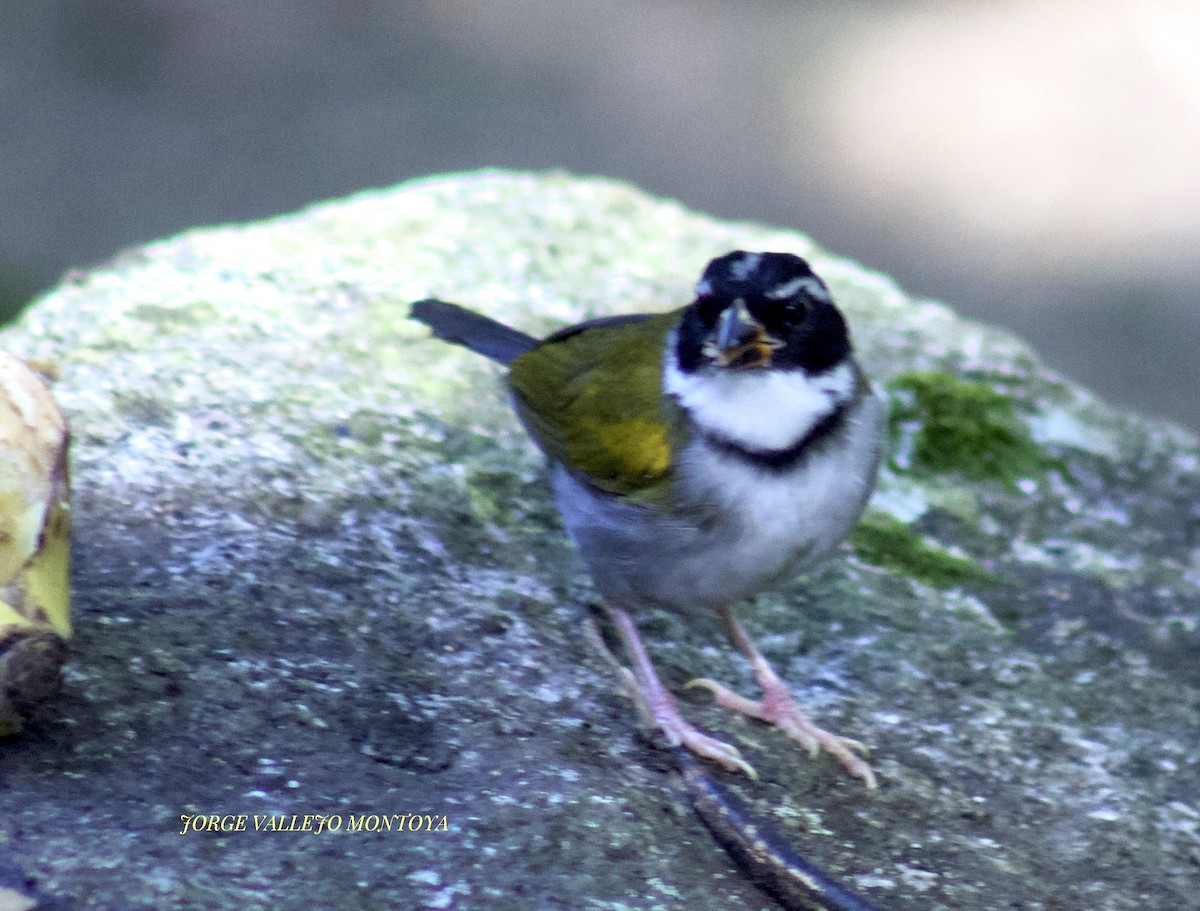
{"points": [[735, 528]]}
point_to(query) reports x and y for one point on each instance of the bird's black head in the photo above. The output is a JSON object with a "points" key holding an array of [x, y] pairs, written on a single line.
{"points": [[761, 310]]}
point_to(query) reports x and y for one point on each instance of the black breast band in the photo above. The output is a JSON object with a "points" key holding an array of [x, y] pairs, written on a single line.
{"points": [[788, 458]]}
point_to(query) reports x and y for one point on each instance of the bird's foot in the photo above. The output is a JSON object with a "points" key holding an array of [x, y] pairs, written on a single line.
{"points": [[680, 732], [777, 707], [657, 706]]}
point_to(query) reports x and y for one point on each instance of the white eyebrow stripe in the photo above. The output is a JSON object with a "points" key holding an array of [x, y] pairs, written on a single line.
{"points": [[788, 289]]}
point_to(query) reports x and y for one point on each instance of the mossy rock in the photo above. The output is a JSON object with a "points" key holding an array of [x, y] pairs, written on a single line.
{"points": [[317, 571]]}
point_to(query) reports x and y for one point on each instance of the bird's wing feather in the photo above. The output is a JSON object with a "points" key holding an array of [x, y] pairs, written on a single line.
{"points": [[591, 398]]}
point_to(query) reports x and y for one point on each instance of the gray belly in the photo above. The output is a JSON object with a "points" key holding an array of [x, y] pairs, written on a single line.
{"points": [[737, 527]]}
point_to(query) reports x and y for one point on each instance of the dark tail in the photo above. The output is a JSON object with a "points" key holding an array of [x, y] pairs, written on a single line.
{"points": [[461, 326]]}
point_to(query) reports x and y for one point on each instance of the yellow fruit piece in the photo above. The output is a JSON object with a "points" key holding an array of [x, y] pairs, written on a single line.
{"points": [[35, 525]]}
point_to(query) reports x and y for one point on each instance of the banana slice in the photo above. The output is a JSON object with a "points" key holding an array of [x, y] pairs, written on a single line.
{"points": [[35, 527]]}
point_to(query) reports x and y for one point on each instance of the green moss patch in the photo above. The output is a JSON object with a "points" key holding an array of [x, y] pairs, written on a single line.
{"points": [[941, 423], [886, 541]]}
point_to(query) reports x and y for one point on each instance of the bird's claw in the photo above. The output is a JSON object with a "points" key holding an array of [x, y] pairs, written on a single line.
{"points": [[778, 708], [680, 733]]}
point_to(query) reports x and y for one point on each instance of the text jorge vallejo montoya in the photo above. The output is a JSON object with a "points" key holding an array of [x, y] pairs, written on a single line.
{"points": [[314, 823]]}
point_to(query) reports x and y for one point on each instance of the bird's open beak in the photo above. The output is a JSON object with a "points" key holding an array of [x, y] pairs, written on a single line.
{"points": [[740, 342]]}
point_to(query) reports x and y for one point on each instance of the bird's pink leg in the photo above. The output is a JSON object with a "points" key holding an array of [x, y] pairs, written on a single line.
{"points": [[660, 705], [777, 707]]}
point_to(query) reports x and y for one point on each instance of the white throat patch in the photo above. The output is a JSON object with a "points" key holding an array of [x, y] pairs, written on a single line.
{"points": [[758, 409]]}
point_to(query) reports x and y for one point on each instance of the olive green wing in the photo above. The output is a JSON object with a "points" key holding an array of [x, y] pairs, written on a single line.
{"points": [[591, 397]]}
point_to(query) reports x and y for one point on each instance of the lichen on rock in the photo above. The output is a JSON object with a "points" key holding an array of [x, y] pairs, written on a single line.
{"points": [[318, 572]]}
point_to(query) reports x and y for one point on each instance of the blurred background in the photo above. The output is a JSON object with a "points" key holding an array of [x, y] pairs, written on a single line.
{"points": [[1033, 163]]}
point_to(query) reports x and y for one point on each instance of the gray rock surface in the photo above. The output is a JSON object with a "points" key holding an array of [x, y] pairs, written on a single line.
{"points": [[317, 572]]}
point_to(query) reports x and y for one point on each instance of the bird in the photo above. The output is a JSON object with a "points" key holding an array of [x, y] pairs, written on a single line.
{"points": [[697, 457]]}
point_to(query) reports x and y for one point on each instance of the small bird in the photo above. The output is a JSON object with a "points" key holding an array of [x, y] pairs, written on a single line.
{"points": [[699, 456]]}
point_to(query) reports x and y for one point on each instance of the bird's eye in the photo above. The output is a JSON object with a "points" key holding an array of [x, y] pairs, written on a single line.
{"points": [[710, 309], [796, 310]]}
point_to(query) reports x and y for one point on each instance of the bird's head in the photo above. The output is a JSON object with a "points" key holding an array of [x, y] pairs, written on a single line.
{"points": [[761, 311], [762, 355]]}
